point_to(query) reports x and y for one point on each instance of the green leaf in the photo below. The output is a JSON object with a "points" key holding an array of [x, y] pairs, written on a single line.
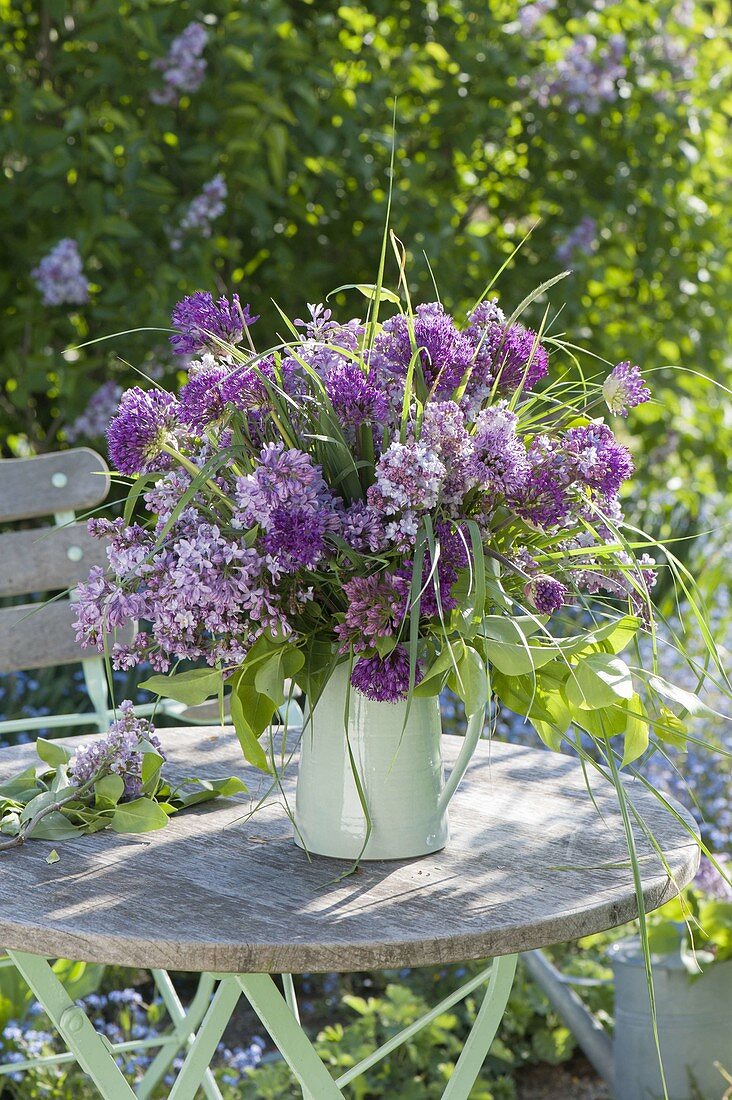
{"points": [[109, 789], [470, 681], [37, 803], [53, 856], [55, 827], [251, 713], [51, 752], [21, 786], [192, 687], [207, 789], [141, 816], [599, 680], [506, 645], [369, 290], [434, 678], [270, 677], [635, 736]]}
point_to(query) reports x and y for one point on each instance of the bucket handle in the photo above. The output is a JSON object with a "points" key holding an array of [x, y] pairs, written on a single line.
{"points": [[470, 741]]}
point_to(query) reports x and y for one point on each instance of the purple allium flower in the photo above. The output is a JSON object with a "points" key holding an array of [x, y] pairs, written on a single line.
{"points": [[142, 426], [60, 275], [116, 753], [408, 475], [363, 528], [205, 208], [601, 463], [504, 463], [517, 362], [202, 323], [294, 537], [583, 238], [453, 555], [384, 680], [183, 69], [624, 388], [445, 354], [546, 593], [544, 499], [355, 398], [94, 420], [377, 606]]}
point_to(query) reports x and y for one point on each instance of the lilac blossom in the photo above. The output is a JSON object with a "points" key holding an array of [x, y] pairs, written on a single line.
{"points": [[116, 753], [582, 238], [584, 78], [142, 428], [60, 275], [203, 210], [445, 433], [384, 680], [530, 15], [183, 68], [377, 606], [409, 476], [362, 527], [203, 323], [100, 409], [504, 463], [624, 388], [284, 477]]}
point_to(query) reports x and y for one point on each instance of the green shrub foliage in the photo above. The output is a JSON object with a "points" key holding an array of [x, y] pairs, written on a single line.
{"points": [[604, 124]]}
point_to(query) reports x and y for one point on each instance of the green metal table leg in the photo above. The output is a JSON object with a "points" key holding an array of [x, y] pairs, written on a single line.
{"points": [[203, 1047], [292, 1042], [90, 1049], [484, 1029], [184, 1025]]}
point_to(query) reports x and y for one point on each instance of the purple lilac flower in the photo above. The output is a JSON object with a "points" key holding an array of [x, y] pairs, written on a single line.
{"points": [[295, 537], [363, 528], [60, 275], [117, 752], [587, 76], [624, 388], [445, 353], [445, 434], [583, 238], [204, 209], [504, 463], [377, 606], [143, 425], [183, 68], [202, 322], [94, 420], [355, 399], [709, 881], [384, 680], [546, 593], [408, 476], [601, 463], [284, 478], [531, 14]]}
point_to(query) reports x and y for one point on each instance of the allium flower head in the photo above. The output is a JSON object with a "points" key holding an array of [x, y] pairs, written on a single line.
{"points": [[201, 322], [546, 593], [376, 609], [355, 398], [445, 353], [600, 461], [142, 426], [117, 752], [502, 455], [624, 388], [517, 361], [60, 275], [385, 680]]}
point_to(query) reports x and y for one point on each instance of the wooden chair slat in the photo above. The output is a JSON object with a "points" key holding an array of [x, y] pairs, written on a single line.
{"points": [[46, 484], [38, 635], [47, 559]]}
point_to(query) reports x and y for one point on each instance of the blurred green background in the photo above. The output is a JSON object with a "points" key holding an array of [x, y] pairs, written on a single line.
{"points": [[605, 123]]}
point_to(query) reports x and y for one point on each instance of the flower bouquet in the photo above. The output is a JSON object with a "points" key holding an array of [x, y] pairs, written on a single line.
{"points": [[367, 512]]}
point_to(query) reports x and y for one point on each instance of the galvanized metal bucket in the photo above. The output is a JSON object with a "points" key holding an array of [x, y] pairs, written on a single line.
{"points": [[694, 1023], [397, 755]]}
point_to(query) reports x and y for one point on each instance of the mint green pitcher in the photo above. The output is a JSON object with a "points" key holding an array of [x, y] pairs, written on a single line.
{"points": [[400, 768]]}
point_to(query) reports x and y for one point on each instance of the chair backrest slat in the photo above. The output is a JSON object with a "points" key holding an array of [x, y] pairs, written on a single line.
{"points": [[48, 484], [47, 559], [38, 635]]}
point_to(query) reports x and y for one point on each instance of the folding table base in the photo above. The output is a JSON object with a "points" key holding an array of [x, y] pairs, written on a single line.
{"points": [[198, 1032]]}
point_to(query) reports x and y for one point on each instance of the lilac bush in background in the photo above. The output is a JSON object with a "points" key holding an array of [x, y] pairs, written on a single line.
{"points": [[205, 208], [183, 68], [60, 275]]}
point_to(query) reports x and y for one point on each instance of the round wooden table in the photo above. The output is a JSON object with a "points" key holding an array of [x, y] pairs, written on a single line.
{"points": [[226, 893]]}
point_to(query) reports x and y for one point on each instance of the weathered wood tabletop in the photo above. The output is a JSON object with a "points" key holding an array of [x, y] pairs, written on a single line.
{"points": [[222, 891]]}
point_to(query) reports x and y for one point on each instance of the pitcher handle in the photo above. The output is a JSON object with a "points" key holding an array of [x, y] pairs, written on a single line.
{"points": [[470, 741]]}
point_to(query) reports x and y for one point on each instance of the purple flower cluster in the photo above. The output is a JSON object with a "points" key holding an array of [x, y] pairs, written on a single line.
{"points": [[584, 78], [624, 388], [278, 512], [583, 239], [183, 68], [203, 323], [94, 420], [60, 275], [531, 14], [116, 753], [203, 210]]}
